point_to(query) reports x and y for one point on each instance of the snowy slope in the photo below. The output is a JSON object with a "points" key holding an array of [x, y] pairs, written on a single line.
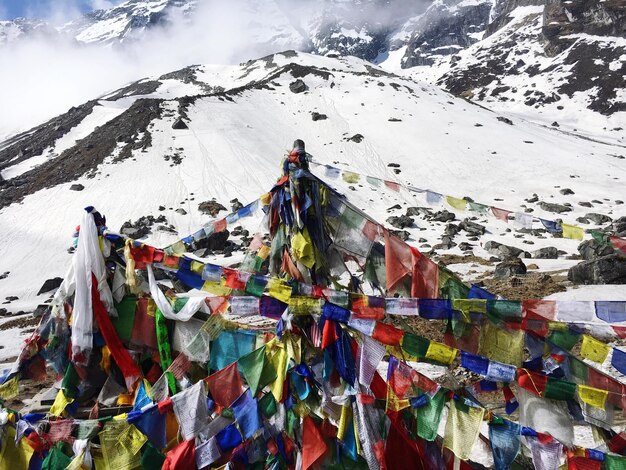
{"points": [[236, 139]]}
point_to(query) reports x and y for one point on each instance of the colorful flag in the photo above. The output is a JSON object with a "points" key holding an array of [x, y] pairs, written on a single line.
{"points": [[462, 429], [594, 350], [573, 232]]}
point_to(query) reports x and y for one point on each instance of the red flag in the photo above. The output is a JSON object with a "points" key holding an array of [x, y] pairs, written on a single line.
{"points": [[219, 225], [388, 334], [129, 369], [536, 314], [582, 463], [233, 280], [370, 230], [289, 267], [392, 185], [398, 260], [313, 446], [329, 334], [181, 457], [425, 283], [535, 383], [142, 254], [501, 214], [225, 385], [617, 443], [618, 243], [401, 451]]}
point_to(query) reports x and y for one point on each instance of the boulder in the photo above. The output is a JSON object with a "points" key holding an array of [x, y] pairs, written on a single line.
{"points": [[592, 249], [548, 252], [505, 251], [618, 227], [298, 86], [451, 230], [179, 124], [211, 207], [217, 241], [401, 234], [509, 268], [50, 285], [315, 116], [77, 187], [566, 191], [401, 221], [443, 216], [553, 207], [609, 269], [598, 219], [472, 228]]}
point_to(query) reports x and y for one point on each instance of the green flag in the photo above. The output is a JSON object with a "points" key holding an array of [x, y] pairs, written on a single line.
{"points": [[429, 416], [151, 458], [55, 460], [257, 371]]}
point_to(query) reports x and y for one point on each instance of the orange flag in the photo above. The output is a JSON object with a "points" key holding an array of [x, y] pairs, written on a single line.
{"points": [[313, 446]]}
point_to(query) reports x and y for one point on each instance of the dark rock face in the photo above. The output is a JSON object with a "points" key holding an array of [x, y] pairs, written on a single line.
{"points": [[592, 249], [88, 153], [505, 251], [609, 269], [141, 227], [443, 216], [298, 86], [598, 219], [34, 142], [50, 285], [549, 252], [509, 268], [446, 28], [596, 17], [77, 187], [618, 227]]}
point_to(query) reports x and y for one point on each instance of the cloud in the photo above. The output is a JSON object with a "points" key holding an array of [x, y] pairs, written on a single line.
{"points": [[45, 75]]}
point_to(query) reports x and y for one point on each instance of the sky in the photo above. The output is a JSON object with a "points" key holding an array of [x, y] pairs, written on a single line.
{"points": [[44, 9]]}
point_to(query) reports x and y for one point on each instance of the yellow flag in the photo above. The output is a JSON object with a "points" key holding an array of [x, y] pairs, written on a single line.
{"points": [[14, 457], [572, 231], [350, 177], [456, 203], [279, 361], [178, 248], [77, 462], [60, 403], [265, 199], [346, 415], [462, 429], [197, 267], [216, 288], [132, 439], [9, 389], [500, 345], [394, 403], [305, 305], [440, 352], [279, 290], [302, 248], [592, 396], [465, 306], [263, 252], [593, 349]]}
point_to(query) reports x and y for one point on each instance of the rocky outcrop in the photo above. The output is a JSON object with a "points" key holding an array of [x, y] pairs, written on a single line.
{"points": [[505, 251], [592, 249], [444, 29], [609, 269]]}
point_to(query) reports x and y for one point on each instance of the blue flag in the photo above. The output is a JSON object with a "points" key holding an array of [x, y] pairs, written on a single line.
{"points": [[246, 411], [228, 438], [475, 363], [505, 443], [611, 312], [619, 360]]}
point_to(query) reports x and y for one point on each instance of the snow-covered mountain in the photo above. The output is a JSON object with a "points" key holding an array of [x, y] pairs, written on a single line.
{"points": [[561, 63], [126, 154]]}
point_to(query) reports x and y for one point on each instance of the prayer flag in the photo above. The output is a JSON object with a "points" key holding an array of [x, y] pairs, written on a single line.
{"points": [[462, 429], [572, 231], [181, 457], [505, 442], [594, 350], [440, 353], [456, 203], [225, 385], [501, 214], [592, 396], [190, 408], [313, 445], [256, 370], [246, 411]]}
